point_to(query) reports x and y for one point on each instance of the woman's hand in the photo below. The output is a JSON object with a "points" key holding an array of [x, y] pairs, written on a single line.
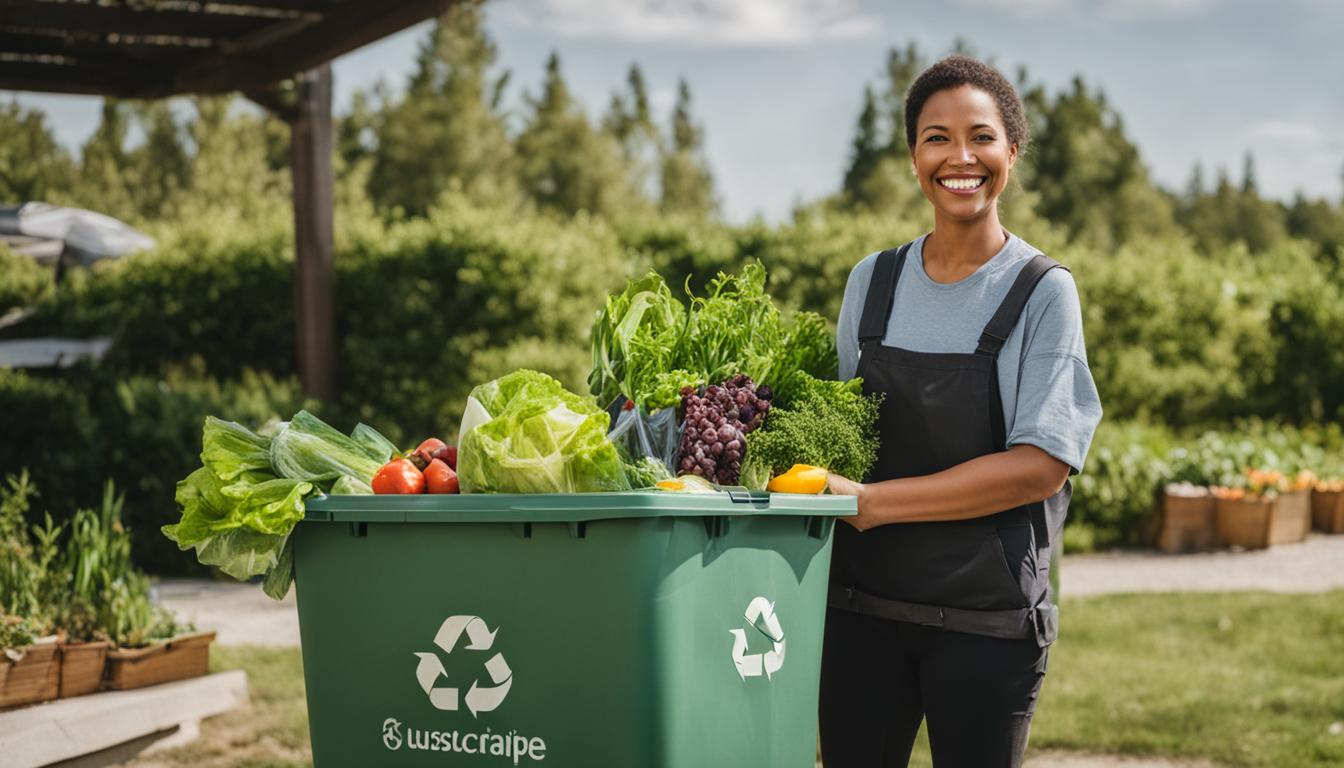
{"points": [[840, 485]]}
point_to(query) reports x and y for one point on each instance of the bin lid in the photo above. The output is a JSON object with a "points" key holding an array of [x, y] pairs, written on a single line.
{"points": [[571, 507]]}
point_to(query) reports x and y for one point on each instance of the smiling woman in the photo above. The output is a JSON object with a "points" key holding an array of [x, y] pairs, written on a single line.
{"points": [[940, 606]]}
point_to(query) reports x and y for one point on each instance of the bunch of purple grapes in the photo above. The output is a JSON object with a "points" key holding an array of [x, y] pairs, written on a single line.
{"points": [[717, 420]]}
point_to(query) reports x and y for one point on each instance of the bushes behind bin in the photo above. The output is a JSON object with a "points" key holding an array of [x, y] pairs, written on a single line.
{"points": [[427, 308]]}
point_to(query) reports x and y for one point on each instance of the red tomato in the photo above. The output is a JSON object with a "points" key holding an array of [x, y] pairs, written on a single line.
{"points": [[398, 476], [431, 449], [450, 457], [440, 478]]}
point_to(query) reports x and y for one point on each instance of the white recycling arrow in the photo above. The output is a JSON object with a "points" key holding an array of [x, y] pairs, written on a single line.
{"points": [[481, 699], [761, 615], [427, 673], [747, 666], [480, 635], [480, 638]]}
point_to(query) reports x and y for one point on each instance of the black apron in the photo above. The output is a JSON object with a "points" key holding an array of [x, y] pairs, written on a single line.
{"points": [[985, 576]]}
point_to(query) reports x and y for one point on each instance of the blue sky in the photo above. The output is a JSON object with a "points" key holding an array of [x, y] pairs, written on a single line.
{"points": [[777, 84]]}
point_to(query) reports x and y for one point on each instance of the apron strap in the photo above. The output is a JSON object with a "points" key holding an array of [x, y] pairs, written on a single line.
{"points": [[881, 294], [1010, 309], [991, 343], [1039, 622]]}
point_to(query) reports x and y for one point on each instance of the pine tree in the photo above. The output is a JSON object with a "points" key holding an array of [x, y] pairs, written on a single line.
{"points": [[564, 164], [107, 181], [1089, 175], [688, 187], [866, 153], [33, 166], [161, 165], [629, 120], [445, 131]]}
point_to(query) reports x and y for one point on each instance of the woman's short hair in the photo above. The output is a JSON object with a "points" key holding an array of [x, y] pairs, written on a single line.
{"points": [[958, 70]]}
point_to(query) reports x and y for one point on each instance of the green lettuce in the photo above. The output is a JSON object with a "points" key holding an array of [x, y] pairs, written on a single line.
{"points": [[525, 433], [240, 507]]}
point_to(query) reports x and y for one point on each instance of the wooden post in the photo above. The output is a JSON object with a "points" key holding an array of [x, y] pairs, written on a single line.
{"points": [[314, 284]]}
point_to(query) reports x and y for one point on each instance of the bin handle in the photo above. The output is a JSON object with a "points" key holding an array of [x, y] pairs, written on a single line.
{"points": [[740, 494]]}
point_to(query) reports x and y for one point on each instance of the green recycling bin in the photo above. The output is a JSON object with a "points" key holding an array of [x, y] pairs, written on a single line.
{"points": [[637, 630]]}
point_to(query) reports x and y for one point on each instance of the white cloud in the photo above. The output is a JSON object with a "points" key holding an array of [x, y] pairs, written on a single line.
{"points": [[699, 22], [1284, 130], [1110, 9]]}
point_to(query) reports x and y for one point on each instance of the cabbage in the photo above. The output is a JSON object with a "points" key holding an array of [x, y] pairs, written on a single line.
{"points": [[525, 433]]}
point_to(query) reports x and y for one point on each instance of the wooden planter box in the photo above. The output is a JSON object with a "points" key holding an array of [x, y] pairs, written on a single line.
{"points": [[1259, 522], [82, 667], [1327, 511], [1244, 522], [1291, 520], [175, 659], [31, 677], [1188, 524]]}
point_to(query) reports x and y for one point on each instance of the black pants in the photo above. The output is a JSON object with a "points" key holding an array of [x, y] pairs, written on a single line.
{"points": [[880, 678]]}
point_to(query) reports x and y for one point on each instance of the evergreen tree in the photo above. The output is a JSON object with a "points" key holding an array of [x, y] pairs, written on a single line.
{"points": [[161, 165], [32, 165], [107, 182], [688, 187], [629, 120], [903, 66], [230, 168], [866, 153], [445, 131], [1089, 175], [564, 164]]}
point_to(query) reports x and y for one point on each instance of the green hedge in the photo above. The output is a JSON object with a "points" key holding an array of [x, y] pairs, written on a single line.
{"points": [[142, 431]]}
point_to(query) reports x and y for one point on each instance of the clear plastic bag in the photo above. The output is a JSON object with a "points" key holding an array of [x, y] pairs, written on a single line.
{"points": [[638, 434]]}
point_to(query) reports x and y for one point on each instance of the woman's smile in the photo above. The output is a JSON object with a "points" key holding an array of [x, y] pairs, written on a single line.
{"points": [[962, 184]]}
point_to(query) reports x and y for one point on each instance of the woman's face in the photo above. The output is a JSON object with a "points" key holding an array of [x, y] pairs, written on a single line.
{"points": [[962, 154]]}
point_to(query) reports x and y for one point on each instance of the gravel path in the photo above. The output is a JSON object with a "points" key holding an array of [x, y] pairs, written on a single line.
{"points": [[1315, 565]]}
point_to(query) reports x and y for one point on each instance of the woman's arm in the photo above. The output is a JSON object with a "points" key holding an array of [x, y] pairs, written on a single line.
{"points": [[982, 486]]}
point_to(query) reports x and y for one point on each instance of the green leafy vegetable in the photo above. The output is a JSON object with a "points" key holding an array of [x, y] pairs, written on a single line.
{"points": [[310, 449], [645, 471], [524, 433], [635, 339], [238, 510], [829, 424], [647, 345]]}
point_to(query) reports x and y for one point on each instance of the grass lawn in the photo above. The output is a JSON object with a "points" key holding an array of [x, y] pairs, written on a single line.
{"points": [[1245, 679]]}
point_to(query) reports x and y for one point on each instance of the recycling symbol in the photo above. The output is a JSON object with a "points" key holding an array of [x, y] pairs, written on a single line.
{"points": [[478, 698], [761, 615]]}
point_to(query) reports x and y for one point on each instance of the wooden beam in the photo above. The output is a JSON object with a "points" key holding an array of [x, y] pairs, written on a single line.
{"points": [[75, 78], [96, 51], [311, 147], [119, 20], [338, 33]]}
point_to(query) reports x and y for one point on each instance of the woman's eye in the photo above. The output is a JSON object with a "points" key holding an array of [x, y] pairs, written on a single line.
{"points": [[937, 138]]}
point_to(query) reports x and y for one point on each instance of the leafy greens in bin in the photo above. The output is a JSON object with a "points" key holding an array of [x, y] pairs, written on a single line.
{"points": [[647, 345], [525, 433], [240, 507]]}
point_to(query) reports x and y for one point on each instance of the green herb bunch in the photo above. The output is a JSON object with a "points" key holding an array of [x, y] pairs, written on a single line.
{"points": [[829, 424]]}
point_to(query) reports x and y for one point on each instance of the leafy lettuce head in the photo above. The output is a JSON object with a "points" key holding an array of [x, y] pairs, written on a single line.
{"points": [[525, 433]]}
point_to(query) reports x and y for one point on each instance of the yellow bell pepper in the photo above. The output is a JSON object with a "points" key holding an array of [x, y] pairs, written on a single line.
{"points": [[801, 478]]}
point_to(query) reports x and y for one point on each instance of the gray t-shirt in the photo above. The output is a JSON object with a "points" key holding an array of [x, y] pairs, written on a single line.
{"points": [[1049, 398]]}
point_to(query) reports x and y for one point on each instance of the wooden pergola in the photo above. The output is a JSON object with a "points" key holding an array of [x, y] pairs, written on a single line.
{"points": [[276, 52]]}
